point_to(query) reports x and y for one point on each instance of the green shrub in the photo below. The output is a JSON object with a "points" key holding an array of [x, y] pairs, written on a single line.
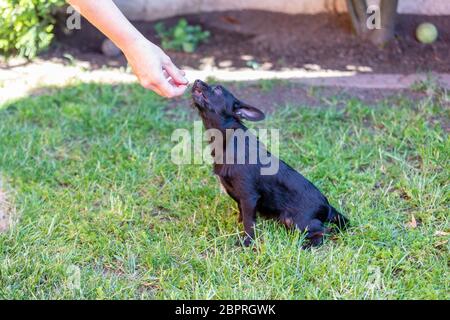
{"points": [[183, 36], [26, 26]]}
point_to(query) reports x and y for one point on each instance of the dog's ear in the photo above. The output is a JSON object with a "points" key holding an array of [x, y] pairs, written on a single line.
{"points": [[247, 112]]}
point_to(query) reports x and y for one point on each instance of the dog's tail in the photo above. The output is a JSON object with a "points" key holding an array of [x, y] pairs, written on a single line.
{"points": [[337, 218]]}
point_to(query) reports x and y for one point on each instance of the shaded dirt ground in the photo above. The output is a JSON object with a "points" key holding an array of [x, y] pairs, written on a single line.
{"points": [[323, 41]]}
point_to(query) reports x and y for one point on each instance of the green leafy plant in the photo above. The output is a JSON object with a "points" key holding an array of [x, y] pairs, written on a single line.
{"points": [[26, 26], [182, 37]]}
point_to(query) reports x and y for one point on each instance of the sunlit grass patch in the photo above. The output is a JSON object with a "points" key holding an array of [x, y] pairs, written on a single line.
{"points": [[93, 180]]}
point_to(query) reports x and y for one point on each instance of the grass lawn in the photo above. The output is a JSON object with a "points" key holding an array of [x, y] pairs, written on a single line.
{"points": [[97, 197]]}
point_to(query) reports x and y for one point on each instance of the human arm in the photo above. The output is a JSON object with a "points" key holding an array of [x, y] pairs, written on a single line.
{"points": [[153, 68]]}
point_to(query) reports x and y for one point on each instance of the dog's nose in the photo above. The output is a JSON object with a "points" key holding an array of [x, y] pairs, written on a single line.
{"points": [[199, 84]]}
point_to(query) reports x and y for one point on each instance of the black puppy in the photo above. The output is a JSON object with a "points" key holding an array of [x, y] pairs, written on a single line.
{"points": [[286, 195]]}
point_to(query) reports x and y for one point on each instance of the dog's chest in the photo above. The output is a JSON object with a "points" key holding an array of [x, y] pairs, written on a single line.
{"points": [[224, 174], [227, 188], [222, 187]]}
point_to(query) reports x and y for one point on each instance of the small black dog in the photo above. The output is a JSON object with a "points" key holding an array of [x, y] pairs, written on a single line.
{"points": [[286, 195]]}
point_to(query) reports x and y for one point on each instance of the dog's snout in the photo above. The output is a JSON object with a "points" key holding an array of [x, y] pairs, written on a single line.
{"points": [[199, 84], [199, 92]]}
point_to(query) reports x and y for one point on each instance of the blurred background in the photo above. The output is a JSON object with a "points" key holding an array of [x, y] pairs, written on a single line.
{"points": [[325, 41]]}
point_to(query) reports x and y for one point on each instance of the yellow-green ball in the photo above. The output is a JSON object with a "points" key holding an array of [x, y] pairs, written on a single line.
{"points": [[426, 33]]}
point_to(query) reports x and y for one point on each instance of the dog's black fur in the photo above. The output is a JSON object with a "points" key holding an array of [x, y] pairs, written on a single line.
{"points": [[286, 196]]}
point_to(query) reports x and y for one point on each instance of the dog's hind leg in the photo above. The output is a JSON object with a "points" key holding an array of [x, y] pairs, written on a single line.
{"points": [[315, 231], [337, 218]]}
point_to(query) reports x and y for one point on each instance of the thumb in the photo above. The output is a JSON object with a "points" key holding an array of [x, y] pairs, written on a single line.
{"points": [[176, 74]]}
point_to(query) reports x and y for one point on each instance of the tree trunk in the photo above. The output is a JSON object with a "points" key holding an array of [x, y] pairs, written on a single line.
{"points": [[359, 17]]}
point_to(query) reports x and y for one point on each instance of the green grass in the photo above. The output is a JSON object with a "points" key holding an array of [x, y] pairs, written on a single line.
{"points": [[95, 189]]}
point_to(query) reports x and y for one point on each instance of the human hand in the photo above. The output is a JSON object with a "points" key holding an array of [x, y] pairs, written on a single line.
{"points": [[154, 69]]}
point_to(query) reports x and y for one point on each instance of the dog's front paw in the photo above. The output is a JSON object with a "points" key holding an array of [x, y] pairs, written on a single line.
{"points": [[245, 241]]}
